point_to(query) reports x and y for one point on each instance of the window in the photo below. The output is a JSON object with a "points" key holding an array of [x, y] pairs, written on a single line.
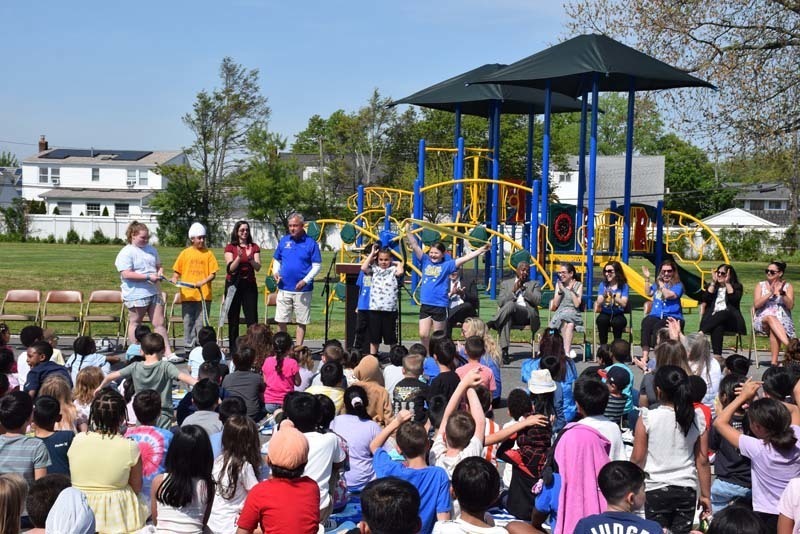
{"points": [[122, 210], [43, 176], [92, 209], [756, 205], [775, 205], [564, 177], [131, 177], [65, 208], [95, 174], [55, 175], [143, 177]]}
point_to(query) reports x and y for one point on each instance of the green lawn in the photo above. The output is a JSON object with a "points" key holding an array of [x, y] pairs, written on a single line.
{"points": [[89, 267]]}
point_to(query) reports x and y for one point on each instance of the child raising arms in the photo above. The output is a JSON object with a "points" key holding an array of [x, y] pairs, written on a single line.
{"points": [[434, 286]]}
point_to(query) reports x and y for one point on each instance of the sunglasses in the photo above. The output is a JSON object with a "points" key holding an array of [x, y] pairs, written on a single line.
{"points": [[609, 271], [770, 271], [666, 271], [722, 273]]}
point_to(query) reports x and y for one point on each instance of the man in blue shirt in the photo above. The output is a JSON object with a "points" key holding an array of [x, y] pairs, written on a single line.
{"points": [[296, 262]]}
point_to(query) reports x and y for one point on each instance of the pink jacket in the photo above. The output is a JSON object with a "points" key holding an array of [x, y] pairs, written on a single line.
{"points": [[580, 454]]}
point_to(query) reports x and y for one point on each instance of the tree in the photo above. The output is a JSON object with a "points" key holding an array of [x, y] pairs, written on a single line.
{"points": [[690, 177], [16, 217], [272, 185], [179, 204], [747, 48], [221, 122], [7, 159]]}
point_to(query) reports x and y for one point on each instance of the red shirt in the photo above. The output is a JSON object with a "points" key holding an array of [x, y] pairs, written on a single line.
{"points": [[706, 412], [245, 270], [282, 505], [487, 378]]}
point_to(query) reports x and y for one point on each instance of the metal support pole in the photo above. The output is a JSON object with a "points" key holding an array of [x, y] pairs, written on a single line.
{"points": [[545, 192], [626, 210], [589, 282]]}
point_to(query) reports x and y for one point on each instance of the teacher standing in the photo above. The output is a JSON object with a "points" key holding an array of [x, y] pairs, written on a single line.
{"points": [[243, 260], [296, 262], [140, 271]]}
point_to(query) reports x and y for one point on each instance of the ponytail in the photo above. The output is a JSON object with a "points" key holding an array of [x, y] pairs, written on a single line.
{"points": [[776, 421], [675, 389], [282, 343]]}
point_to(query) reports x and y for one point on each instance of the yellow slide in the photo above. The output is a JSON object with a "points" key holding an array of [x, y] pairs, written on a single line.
{"points": [[637, 284]]}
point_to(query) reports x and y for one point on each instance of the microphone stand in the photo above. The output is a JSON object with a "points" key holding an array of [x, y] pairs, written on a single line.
{"points": [[326, 292]]}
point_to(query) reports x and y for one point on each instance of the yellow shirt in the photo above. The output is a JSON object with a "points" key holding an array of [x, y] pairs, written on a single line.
{"points": [[194, 265]]}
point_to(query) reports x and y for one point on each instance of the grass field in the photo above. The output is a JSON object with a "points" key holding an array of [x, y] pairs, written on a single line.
{"points": [[89, 267]]}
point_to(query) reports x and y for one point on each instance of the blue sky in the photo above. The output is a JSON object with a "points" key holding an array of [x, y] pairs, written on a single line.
{"points": [[121, 74]]}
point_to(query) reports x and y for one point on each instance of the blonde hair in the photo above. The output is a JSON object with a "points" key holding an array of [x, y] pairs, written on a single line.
{"points": [[134, 228], [13, 491], [474, 326], [58, 388], [87, 381], [303, 357]]}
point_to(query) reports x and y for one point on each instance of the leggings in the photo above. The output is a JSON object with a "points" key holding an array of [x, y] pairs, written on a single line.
{"points": [[244, 300], [715, 325], [606, 321]]}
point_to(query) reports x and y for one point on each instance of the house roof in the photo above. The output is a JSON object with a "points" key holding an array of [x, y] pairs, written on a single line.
{"points": [[103, 158], [737, 217], [764, 191], [95, 194], [647, 178]]}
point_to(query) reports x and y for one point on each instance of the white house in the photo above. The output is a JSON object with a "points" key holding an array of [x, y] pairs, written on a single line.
{"points": [[92, 182]]}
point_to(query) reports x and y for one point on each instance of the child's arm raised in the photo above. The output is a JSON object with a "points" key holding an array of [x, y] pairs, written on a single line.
{"points": [[412, 242], [110, 377], [723, 421], [472, 255], [380, 439], [365, 265], [471, 379], [505, 433], [476, 410]]}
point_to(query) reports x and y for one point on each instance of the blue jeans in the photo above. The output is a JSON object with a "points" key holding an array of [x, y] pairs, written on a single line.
{"points": [[272, 407], [723, 493]]}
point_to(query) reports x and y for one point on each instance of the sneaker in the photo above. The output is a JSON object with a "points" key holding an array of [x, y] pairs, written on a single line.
{"points": [[174, 358], [506, 357], [572, 354]]}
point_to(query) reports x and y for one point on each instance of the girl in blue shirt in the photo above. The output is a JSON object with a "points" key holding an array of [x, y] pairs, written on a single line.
{"points": [[612, 300], [666, 293], [434, 286]]}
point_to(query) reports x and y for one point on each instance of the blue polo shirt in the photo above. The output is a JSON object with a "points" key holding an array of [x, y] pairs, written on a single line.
{"points": [[364, 283], [296, 257], [607, 307], [435, 284], [616, 522], [667, 308]]}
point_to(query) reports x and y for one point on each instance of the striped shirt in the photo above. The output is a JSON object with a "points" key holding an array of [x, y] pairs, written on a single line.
{"points": [[21, 455]]}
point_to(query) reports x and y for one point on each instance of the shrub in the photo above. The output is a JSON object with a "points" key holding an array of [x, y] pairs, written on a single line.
{"points": [[105, 211], [51, 238], [98, 238], [749, 245], [72, 237], [56, 211]]}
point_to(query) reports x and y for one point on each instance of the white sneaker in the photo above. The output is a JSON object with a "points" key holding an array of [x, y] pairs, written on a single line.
{"points": [[174, 358], [572, 354]]}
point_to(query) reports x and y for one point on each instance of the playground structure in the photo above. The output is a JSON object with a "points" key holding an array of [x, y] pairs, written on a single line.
{"points": [[516, 215]]}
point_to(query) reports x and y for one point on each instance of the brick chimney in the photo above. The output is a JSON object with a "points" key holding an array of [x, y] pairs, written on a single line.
{"points": [[43, 144]]}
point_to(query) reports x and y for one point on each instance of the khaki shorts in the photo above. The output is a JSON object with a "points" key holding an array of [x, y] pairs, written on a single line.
{"points": [[297, 302]]}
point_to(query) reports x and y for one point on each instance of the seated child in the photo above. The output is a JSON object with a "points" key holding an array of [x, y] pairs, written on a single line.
{"points": [[46, 413], [85, 355], [70, 514], [390, 505], [205, 396], [697, 391], [410, 393], [330, 353], [324, 453], [135, 349], [50, 337], [476, 485], [622, 485], [591, 396], [7, 365], [41, 498], [153, 441], [461, 434], [27, 336], [617, 380], [331, 376], [247, 385], [287, 489], [186, 406], [475, 348], [86, 383], [621, 355], [338, 484], [41, 367], [393, 373], [431, 482], [153, 373], [446, 382], [205, 334], [736, 364], [20, 454]]}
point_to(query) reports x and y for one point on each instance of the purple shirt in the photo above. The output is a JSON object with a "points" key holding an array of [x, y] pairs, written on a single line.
{"points": [[771, 470], [358, 433]]}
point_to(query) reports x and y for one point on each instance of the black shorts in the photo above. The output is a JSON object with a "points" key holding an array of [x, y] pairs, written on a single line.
{"points": [[383, 327], [437, 313]]}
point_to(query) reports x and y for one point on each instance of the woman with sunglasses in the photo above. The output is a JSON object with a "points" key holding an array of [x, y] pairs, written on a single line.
{"points": [[666, 292], [566, 305], [722, 314], [612, 300], [773, 300]]}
